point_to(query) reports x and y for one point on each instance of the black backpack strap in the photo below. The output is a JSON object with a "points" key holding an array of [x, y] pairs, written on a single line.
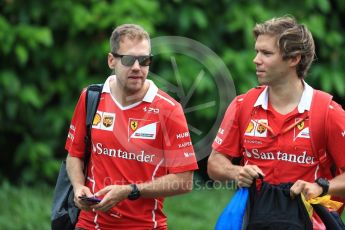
{"points": [[93, 95]]}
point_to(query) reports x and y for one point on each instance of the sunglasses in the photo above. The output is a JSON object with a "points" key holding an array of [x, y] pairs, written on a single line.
{"points": [[129, 60]]}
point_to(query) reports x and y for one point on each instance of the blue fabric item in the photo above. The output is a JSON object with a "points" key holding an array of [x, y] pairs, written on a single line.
{"points": [[232, 216]]}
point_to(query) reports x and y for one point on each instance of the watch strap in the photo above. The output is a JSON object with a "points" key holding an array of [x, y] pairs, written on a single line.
{"points": [[324, 184], [135, 193]]}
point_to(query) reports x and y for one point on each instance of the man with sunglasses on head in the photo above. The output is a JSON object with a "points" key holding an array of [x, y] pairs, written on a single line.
{"points": [[272, 128], [141, 148]]}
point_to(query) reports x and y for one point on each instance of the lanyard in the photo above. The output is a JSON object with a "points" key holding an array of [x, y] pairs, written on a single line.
{"points": [[287, 129]]}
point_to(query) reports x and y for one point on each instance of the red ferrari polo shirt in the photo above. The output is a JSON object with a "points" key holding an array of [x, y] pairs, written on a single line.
{"points": [[280, 144], [132, 144]]}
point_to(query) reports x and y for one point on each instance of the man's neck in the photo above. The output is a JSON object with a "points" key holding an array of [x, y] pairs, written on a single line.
{"points": [[126, 98], [286, 97]]}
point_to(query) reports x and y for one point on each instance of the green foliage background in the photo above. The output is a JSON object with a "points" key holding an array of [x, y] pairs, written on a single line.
{"points": [[50, 50]]}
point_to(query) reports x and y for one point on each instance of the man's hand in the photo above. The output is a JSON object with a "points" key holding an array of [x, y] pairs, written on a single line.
{"points": [[247, 174], [113, 195], [309, 190], [82, 191]]}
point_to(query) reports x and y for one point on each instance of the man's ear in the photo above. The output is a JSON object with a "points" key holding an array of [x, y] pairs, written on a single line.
{"points": [[111, 61], [295, 60]]}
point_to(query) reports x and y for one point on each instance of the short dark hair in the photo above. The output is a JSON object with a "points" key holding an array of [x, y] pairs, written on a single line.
{"points": [[130, 31]]}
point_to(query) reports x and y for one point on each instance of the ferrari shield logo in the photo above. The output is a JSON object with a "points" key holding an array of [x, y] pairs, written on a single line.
{"points": [[301, 130], [141, 129], [300, 125], [134, 125]]}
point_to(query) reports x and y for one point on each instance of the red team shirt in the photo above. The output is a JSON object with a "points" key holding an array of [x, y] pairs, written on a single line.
{"points": [[132, 144], [279, 144]]}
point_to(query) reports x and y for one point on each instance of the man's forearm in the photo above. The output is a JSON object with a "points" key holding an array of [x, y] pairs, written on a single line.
{"points": [[168, 185], [221, 169], [74, 167], [337, 185]]}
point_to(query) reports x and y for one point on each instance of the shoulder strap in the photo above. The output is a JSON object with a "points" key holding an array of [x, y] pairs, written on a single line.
{"points": [[93, 94], [246, 107], [318, 117]]}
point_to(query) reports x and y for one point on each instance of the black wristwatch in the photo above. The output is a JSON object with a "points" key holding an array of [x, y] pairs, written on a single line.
{"points": [[324, 183], [135, 193]]}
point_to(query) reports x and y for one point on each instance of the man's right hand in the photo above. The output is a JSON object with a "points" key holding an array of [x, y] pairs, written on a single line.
{"points": [[247, 174], [82, 191]]}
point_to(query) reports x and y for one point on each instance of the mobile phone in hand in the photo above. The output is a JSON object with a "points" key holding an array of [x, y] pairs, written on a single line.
{"points": [[91, 199]]}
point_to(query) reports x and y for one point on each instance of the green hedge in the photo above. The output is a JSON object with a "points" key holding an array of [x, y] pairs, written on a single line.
{"points": [[50, 50]]}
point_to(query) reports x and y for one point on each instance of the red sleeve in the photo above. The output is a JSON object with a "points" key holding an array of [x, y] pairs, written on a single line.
{"points": [[336, 134], [75, 139], [177, 145], [227, 140]]}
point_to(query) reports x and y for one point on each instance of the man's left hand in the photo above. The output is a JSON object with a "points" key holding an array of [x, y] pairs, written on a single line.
{"points": [[113, 195], [309, 190]]}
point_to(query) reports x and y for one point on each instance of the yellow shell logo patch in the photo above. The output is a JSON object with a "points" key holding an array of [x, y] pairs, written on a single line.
{"points": [[250, 127], [96, 119]]}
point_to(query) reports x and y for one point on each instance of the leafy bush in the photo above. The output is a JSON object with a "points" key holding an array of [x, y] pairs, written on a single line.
{"points": [[52, 49]]}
